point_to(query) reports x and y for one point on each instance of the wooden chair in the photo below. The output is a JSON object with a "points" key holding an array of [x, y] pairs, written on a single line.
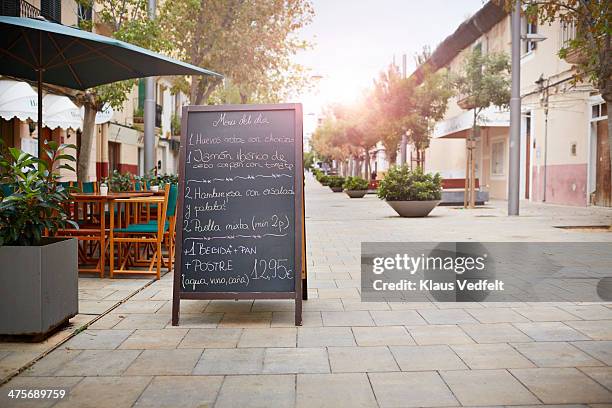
{"points": [[130, 238]]}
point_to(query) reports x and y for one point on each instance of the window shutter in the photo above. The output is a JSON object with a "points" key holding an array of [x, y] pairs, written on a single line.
{"points": [[51, 10], [9, 8]]}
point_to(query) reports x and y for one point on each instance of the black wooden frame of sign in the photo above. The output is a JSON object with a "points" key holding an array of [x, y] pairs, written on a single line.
{"points": [[296, 294]]}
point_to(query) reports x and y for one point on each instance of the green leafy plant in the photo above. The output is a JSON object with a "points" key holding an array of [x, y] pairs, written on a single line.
{"points": [[33, 200], [175, 124], [402, 184], [153, 179], [118, 182], [323, 178], [335, 181], [164, 179], [355, 183]]}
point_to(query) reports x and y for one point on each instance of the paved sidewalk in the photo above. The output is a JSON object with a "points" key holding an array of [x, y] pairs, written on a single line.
{"points": [[96, 297], [348, 353]]}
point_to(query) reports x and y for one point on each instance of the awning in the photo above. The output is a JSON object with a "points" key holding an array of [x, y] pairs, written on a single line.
{"points": [[126, 135], [454, 127], [59, 111], [102, 116], [17, 99]]}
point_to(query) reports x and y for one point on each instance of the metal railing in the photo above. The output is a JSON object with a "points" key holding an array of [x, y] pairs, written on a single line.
{"points": [[27, 10]]}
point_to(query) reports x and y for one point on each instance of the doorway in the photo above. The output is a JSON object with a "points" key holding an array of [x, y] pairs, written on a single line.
{"points": [[113, 157], [603, 187]]}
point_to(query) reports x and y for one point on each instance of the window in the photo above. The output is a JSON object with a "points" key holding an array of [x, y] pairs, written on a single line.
{"points": [[497, 158], [51, 10], [529, 28], [599, 111], [568, 33]]}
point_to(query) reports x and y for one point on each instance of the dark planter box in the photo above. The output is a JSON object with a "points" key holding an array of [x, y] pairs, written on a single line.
{"points": [[38, 286]]}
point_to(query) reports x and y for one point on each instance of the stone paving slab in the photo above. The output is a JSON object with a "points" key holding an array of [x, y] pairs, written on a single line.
{"points": [[424, 389], [257, 391], [562, 386], [180, 392], [487, 387]]}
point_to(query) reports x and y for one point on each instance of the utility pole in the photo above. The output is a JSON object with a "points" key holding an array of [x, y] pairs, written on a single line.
{"points": [[404, 141], [149, 112], [515, 113]]}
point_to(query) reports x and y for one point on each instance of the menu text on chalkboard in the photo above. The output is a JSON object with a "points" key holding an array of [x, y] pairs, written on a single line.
{"points": [[239, 225]]}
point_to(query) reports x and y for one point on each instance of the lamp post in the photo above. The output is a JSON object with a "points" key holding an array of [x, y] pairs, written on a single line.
{"points": [[515, 113]]}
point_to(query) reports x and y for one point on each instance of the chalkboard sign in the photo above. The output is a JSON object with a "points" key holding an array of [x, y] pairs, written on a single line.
{"points": [[239, 226]]}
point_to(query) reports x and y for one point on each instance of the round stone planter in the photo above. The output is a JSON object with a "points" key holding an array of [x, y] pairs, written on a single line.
{"points": [[356, 193], [336, 189], [413, 208]]}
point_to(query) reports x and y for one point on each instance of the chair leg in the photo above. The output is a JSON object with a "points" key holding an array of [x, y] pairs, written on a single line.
{"points": [[159, 258], [111, 255]]}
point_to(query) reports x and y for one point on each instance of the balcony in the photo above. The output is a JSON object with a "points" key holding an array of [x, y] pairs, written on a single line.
{"points": [[21, 8], [466, 102], [575, 56]]}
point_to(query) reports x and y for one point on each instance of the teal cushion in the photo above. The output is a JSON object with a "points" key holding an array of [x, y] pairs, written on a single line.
{"points": [[88, 187], [142, 228]]}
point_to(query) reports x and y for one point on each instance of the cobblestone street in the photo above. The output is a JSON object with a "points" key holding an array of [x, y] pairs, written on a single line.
{"points": [[347, 353]]}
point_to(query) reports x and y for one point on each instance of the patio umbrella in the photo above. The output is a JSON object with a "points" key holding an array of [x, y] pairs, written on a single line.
{"points": [[51, 53]]}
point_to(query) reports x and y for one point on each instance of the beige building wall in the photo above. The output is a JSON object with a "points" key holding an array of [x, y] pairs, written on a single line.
{"points": [[447, 157]]}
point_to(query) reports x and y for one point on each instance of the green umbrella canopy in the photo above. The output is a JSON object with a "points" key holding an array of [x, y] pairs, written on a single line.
{"points": [[77, 59], [55, 54]]}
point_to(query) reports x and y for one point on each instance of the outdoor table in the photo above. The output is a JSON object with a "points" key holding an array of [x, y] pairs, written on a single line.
{"points": [[101, 201]]}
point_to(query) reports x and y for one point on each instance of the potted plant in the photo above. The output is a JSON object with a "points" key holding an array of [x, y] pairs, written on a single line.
{"points": [[39, 274], [411, 193], [119, 182], [335, 183], [355, 187], [324, 179]]}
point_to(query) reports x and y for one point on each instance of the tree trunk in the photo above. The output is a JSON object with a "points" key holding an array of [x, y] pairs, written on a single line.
{"points": [[391, 157], [87, 139], [367, 165]]}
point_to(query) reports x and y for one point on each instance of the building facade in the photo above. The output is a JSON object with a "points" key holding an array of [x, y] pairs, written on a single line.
{"points": [[564, 145], [119, 138]]}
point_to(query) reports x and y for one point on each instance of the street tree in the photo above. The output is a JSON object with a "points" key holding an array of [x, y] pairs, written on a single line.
{"points": [[329, 141], [126, 20], [359, 132], [391, 96], [429, 101], [250, 42], [484, 81]]}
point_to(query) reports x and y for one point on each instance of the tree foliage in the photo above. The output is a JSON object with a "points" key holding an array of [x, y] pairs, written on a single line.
{"points": [[484, 80], [395, 106], [250, 42]]}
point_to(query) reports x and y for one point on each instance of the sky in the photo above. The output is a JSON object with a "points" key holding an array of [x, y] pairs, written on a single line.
{"points": [[353, 40]]}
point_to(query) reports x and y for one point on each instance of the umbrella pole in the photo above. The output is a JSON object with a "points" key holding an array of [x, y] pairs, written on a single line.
{"points": [[40, 117], [41, 150]]}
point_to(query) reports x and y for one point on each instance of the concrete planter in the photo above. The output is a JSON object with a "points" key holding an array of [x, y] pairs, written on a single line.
{"points": [[413, 208], [336, 189], [38, 286], [356, 193]]}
